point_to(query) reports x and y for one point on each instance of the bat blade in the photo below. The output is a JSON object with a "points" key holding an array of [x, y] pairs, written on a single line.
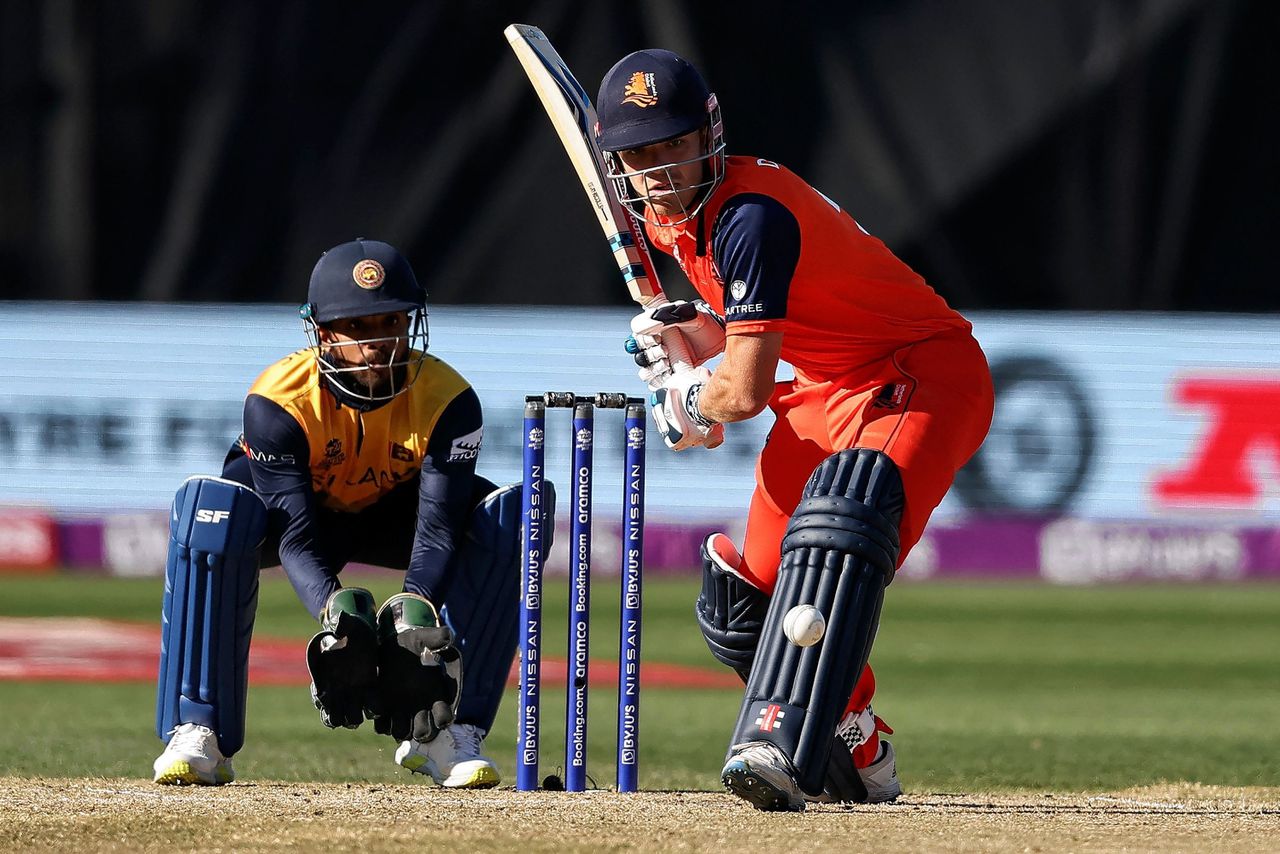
{"points": [[574, 118]]}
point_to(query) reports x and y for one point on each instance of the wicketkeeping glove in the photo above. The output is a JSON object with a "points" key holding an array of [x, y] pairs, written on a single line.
{"points": [[419, 670], [695, 323], [675, 410], [343, 659]]}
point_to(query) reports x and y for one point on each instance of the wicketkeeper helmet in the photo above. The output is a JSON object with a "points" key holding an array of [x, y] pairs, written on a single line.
{"points": [[359, 279]]}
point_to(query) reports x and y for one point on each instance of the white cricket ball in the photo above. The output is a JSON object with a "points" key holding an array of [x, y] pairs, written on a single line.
{"points": [[804, 625]]}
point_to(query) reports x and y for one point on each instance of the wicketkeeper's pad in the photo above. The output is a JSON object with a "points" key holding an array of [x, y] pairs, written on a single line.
{"points": [[210, 596]]}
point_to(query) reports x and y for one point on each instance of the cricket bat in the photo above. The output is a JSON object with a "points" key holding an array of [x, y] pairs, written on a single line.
{"points": [[574, 118]]}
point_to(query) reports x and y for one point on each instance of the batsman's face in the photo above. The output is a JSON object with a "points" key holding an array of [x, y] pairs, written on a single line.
{"points": [[665, 179], [371, 342]]}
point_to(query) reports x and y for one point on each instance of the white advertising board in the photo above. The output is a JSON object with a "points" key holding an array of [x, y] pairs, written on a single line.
{"points": [[1174, 417]]}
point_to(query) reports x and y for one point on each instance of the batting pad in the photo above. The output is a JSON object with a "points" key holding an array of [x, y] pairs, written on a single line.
{"points": [[839, 553], [210, 596], [481, 605]]}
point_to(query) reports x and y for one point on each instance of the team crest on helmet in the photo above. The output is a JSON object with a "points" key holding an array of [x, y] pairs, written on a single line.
{"points": [[640, 90], [368, 274]]}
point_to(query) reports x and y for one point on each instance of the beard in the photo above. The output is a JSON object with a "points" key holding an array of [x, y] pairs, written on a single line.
{"points": [[368, 379]]}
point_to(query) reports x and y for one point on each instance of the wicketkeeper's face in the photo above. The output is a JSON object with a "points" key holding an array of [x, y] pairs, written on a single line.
{"points": [[667, 174], [372, 342]]}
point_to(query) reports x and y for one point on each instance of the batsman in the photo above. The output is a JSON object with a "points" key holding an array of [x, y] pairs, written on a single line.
{"points": [[359, 448], [891, 396]]}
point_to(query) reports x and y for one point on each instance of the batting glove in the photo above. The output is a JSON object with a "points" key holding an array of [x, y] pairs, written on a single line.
{"points": [[692, 329], [675, 411]]}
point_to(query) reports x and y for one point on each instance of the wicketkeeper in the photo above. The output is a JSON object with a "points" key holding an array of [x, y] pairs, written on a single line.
{"points": [[361, 448], [891, 396]]}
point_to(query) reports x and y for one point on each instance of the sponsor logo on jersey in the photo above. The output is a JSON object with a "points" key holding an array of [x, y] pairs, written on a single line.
{"points": [[466, 447], [745, 308], [265, 457], [891, 396], [368, 274], [400, 452], [640, 90], [333, 454]]}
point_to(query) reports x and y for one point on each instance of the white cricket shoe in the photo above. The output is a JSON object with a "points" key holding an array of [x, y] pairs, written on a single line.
{"points": [[881, 776], [452, 758], [758, 773], [193, 758]]}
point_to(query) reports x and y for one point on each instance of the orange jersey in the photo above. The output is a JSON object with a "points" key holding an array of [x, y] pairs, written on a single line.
{"points": [[847, 302], [354, 457]]}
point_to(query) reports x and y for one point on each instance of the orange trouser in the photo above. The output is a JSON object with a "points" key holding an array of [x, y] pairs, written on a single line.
{"points": [[927, 407]]}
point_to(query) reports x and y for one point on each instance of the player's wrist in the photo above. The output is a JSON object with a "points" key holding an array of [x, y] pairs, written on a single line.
{"points": [[693, 405]]}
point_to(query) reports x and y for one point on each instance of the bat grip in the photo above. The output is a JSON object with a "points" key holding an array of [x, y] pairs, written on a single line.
{"points": [[678, 353]]}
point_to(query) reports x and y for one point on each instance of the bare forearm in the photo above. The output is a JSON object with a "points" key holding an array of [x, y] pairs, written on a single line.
{"points": [[726, 402], [741, 386]]}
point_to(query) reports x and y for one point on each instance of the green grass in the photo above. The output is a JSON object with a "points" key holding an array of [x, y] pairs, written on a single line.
{"points": [[991, 687]]}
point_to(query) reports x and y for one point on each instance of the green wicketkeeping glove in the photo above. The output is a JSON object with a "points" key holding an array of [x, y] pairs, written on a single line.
{"points": [[419, 670], [343, 659]]}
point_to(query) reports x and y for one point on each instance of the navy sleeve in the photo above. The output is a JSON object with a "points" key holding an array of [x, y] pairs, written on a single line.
{"points": [[444, 497], [756, 245], [279, 459]]}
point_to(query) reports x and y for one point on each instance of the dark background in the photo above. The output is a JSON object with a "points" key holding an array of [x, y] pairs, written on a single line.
{"points": [[1076, 154]]}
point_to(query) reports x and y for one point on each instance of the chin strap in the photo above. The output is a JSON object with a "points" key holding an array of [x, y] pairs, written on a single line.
{"points": [[361, 403]]}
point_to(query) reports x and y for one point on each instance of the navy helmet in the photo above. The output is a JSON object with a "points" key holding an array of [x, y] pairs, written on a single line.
{"points": [[648, 97], [359, 279]]}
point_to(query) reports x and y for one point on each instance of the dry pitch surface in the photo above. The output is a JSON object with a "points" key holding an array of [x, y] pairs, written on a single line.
{"points": [[130, 815]]}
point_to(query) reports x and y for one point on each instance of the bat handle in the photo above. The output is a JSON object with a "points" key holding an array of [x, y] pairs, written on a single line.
{"points": [[678, 353]]}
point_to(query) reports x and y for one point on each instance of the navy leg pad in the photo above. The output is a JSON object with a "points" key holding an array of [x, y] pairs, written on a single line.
{"points": [[210, 596], [482, 603], [730, 613], [838, 554]]}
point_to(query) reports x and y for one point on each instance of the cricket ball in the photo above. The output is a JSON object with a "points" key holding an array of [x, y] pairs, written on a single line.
{"points": [[804, 625]]}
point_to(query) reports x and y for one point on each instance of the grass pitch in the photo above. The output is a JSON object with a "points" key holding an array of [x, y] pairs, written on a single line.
{"points": [[997, 688], [1029, 718]]}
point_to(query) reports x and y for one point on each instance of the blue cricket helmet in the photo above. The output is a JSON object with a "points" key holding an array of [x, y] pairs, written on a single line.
{"points": [[647, 97], [360, 278]]}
